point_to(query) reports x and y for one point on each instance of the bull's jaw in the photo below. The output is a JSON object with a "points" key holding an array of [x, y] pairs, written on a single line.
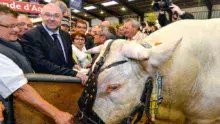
{"points": [[111, 113]]}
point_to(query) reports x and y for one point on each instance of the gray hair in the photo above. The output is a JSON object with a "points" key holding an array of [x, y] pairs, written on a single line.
{"points": [[133, 22], [108, 31], [61, 5]]}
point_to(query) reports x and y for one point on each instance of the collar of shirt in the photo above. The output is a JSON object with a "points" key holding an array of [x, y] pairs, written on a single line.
{"points": [[50, 32], [136, 36]]}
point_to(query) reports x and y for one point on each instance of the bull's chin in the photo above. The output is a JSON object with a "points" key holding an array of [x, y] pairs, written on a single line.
{"points": [[110, 113]]}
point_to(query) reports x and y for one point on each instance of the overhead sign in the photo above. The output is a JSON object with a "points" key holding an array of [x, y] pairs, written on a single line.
{"points": [[75, 4], [22, 6]]}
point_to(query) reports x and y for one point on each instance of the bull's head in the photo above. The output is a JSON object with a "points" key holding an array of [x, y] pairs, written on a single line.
{"points": [[120, 87]]}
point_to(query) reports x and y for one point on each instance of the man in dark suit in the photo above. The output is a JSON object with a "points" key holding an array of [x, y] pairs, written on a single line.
{"points": [[49, 47]]}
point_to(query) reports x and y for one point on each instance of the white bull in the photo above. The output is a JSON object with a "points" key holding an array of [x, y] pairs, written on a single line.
{"points": [[189, 61]]}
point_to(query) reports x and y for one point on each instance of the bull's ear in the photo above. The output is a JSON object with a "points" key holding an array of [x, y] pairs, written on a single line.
{"points": [[161, 53], [135, 50], [95, 50]]}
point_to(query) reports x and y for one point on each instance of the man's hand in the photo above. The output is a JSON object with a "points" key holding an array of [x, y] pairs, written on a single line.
{"points": [[76, 66], [175, 8], [63, 118], [88, 66], [2, 108], [82, 77]]}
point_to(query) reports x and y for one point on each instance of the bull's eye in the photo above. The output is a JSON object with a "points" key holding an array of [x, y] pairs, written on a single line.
{"points": [[113, 87]]}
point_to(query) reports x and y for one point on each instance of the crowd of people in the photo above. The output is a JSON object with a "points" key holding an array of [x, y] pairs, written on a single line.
{"points": [[53, 49]]}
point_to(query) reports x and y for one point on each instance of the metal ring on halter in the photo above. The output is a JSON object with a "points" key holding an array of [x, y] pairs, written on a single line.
{"points": [[81, 115]]}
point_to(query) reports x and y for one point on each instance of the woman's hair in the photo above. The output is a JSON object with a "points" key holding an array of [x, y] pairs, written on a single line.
{"points": [[74, 34]]}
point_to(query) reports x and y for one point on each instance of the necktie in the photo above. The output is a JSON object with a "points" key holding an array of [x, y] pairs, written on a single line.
{"points": [[56, 40]]}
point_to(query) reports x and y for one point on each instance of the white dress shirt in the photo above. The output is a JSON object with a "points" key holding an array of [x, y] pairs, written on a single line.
{"points": [[11, 76]]}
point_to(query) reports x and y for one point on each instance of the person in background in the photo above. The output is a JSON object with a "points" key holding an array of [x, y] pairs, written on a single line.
{"points": [[106, 23], [146, 28], [93, 31], [81, 58], [65, 25], [131, 30], [120, 32], [24, 24], [154, 28], [103, 34], [63, 7], [163, 21], [81, 27]]}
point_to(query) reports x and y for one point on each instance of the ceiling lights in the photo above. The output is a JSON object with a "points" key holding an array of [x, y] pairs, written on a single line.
{"points": [[123, 8], [75, 11], [48, 1], [89, 7], [109, 3]]}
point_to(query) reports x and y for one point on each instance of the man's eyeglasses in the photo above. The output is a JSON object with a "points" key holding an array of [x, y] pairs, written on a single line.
{"points": [[9, 26], [48, 15], [64, 25], [81, 27], [78, 39], [98, 35], [23, 24]]}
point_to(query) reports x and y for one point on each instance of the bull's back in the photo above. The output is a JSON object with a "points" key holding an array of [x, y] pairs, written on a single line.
{"points": [[195, 80]]}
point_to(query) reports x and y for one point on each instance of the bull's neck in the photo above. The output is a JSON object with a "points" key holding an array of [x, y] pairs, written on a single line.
{"points": [[164, 68]]}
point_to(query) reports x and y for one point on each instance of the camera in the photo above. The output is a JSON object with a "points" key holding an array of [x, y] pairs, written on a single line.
{"points": [[161, 5]]}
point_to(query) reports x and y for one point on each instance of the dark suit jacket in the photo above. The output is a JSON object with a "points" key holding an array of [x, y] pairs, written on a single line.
{"points": [[44, 54]]}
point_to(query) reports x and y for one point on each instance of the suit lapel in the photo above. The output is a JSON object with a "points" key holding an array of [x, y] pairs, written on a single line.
{"points": [[51, 43], [64, 41]]}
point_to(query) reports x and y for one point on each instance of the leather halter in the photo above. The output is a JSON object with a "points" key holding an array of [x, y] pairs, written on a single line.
{"points": [[86, 115]]}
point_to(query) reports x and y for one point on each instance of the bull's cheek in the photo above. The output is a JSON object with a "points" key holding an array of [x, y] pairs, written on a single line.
{"points": [[103, 107], [119, 112]]}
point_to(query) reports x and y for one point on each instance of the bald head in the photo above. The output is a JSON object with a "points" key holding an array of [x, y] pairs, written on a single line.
{"points": [[51, 7], [51, 17], [106, 23], [25, 24]]}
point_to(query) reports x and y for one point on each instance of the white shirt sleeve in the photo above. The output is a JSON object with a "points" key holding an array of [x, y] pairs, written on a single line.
{"points": [[11, 76]]}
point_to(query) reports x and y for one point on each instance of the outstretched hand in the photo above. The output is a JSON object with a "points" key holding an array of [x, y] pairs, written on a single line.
{"points": [[83, 77], [63, 118]]}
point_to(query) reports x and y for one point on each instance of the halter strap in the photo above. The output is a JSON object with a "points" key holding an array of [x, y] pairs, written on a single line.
{"points": [[113, 64], [87, 99], [143, 105]]}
